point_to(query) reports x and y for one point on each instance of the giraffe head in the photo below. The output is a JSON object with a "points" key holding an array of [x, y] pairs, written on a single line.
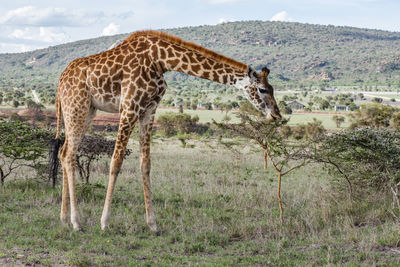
{"points": [[260, 93]]}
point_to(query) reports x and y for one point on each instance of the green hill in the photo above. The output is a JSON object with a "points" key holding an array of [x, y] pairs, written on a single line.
{"points": [[295, 52]]}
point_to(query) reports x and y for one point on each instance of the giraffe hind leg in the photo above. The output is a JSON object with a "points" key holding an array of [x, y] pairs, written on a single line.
{"points": [[76, 124], [65, 185], [145, 128], [65, 199]]}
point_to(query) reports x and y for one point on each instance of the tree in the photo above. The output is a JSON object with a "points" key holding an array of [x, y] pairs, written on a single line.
{"points": [[372, 115], [30, 104], [195, 102], [15, 103], [187, 104], [377, 100], [324, 104], [282, 152], [285, 108], [308, 131], [339, 120], [235, 104], [171, 123], [299, 131], [21, 145], [314, 129]]}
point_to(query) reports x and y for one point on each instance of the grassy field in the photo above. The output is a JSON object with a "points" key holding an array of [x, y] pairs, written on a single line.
{"points": [[386, 95], [214, 208]]}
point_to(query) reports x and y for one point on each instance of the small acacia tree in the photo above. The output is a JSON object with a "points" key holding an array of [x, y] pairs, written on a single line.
{"points": [[285, 154], [21, 145]]}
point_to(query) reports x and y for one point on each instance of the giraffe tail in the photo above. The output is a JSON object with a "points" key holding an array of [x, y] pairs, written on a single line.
{"points": [[55, 145]]}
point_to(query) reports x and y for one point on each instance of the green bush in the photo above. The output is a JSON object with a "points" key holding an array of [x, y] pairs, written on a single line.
{"points": [[15, 117], [372, 115], [368, 158], [172, 123], [306, 131]]}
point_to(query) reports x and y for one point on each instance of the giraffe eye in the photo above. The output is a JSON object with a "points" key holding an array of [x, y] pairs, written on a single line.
{"points": [[262, 91]]}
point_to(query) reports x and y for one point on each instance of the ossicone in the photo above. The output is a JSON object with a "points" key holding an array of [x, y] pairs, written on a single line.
{"points": [[252, 73], [265, 71]]}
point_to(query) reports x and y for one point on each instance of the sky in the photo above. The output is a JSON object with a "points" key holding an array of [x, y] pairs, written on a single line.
{"points": [[32, 24]]}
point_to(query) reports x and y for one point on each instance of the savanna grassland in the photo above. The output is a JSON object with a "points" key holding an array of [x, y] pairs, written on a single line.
{"points": [[215, 207]]}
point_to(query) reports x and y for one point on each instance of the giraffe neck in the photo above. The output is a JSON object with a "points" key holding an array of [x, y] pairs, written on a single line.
{"points": [[170, 53], [197, 64]]}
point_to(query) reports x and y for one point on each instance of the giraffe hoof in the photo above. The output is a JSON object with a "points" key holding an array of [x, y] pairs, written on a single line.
{"points": [[104, 226], [154, 228], [105, 220], [64, 221], [77, 228]]}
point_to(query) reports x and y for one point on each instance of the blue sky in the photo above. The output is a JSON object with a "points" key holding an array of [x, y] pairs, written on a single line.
{"points": [[32, 24]]}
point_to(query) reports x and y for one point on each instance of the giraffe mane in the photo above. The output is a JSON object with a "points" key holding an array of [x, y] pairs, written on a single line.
{"points": [[189, 45]]}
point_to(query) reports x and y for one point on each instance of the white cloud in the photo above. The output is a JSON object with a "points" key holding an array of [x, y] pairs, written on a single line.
{"points": [[20, 34], [43, 34], [16, 48], [51, 35], [111, 29], [222, 20], [33, 27], [281, 16], [222, 1], [49, 17], [345, 2], [33, 16]]}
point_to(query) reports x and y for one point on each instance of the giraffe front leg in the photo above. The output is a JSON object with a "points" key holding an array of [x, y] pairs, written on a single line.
{"points": [[145, 165], [115, 166], [124, 132]]}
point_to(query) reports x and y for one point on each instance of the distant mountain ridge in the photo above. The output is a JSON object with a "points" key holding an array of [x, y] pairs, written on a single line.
{"points": [[295, 52]]}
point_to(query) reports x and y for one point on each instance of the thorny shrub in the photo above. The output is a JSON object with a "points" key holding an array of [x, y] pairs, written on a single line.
{"points": [[91, 149]]}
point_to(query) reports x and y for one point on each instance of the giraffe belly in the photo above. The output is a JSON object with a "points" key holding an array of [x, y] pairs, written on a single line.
{"points": [[106, 104]]}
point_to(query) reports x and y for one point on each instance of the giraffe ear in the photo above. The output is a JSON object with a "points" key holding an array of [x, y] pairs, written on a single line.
{"points": [[252, 74]]}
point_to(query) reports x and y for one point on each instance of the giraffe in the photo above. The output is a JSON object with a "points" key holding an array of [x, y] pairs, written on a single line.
{"points": [[128, 79]]}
